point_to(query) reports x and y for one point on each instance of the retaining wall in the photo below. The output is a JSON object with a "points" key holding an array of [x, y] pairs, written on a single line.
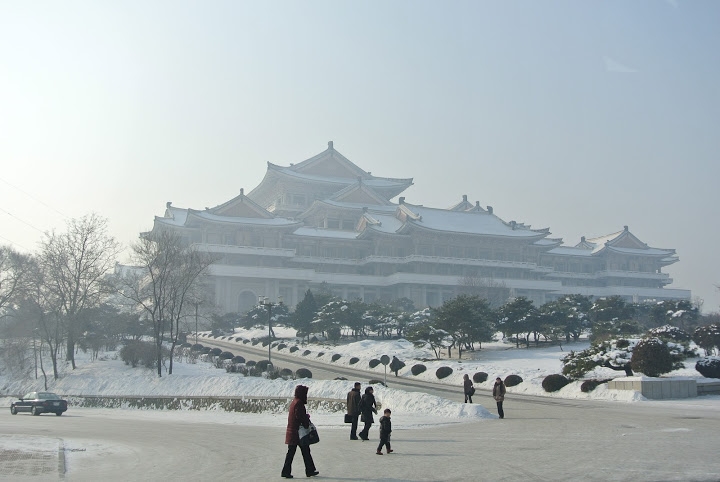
{"points": [[657, 388]]}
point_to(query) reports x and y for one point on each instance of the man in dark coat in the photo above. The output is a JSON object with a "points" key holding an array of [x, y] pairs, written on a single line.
{"points": [[353, 409], [367, 408], [297, 416]]}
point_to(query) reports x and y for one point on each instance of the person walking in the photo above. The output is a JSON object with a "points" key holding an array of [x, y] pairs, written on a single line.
{"points": [[499, 396], [353, 409], [385, 429], [367, 408], [468, 388], [297, 416]]}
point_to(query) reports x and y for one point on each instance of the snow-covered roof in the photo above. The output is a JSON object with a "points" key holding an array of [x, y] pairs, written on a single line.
{"points": [[325, 233], [481, 223]]}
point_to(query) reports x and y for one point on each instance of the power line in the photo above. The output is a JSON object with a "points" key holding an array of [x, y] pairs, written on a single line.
{"points": [[22, 221], [13, 242], [34, 198]]}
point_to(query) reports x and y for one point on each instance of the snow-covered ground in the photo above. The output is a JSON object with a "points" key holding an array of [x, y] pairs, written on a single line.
{"points": [[108, 376]]}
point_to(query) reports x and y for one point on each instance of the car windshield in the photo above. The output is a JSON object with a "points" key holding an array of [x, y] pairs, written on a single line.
{"points": [[47, 396]]}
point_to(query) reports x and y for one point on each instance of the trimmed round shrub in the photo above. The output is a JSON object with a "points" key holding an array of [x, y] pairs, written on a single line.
{"points": [[339, 378], [226, 355], [205, 350], [336, 357], [553, 383], [651, 357], [263, 365], [313, 339], [443, 372], [265, 343], [274, 344], [354, 360], [286, 372], [480, 377], [590, 385], [186, 345], [512, 380], [293, 349], [246, 341], [255, 342], [281, 346], [709, 367], [418, 369], [239, 339], [320, 354], [250, 363], [303, 373], [306, 353], [196, 347], [215, 352], [373, 363], [238, 359], [376, 382]]}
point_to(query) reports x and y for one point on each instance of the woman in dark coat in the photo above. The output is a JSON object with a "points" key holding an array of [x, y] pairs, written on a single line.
{"points": [[297, 416], [367, 408], [499, 395], [467, 388]]}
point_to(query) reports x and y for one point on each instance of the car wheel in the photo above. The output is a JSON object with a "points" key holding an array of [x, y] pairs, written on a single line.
{"points": [[35, 411], [13, 410], [58, 413]]}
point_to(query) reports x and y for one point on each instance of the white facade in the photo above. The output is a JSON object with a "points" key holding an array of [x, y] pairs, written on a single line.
{"points": [[325, 220]]}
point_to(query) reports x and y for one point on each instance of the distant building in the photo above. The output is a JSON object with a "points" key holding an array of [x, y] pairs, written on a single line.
{"points": [[326, 222]]}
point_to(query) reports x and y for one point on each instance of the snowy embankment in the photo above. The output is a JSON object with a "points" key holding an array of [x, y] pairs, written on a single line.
{"points": [[108, 376]]}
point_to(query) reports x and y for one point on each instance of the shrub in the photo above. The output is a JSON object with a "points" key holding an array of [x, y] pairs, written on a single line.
{"points": [[418, 369], [286, 372], [480, 377], [320, 354], [255, 341], [339, 378], [303, 373], [205, 350], [373, 363], [670, 333], [709, 367], [226, 355], [186, 345], [376, 382], [263, 365], [281, 346], [652, 357], [215, 352], [306, 353], [246, 341], [265, 343], [238, 359], [250, 363], [513, 380], [336, 357], [293, 349], [197, 347], [590, 385], [354, 360], [142, 353], [443, 372], [313, 339], [553, 383]]}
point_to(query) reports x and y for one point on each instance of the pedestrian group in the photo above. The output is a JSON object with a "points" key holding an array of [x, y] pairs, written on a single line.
{"points": [[360, 407]]}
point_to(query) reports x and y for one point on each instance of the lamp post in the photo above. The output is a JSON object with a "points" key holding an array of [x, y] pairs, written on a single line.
{"points": [[264, 301], [197, 303]]}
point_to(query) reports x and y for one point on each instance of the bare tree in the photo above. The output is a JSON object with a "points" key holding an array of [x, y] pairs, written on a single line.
{"points": [[75, 264], [164, 285], [14, 274]]}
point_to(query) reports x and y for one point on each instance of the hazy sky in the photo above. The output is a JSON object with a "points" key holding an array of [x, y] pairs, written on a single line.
{"points": [[578, 116]]}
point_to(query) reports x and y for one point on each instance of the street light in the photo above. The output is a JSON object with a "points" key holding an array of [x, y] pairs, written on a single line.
{"points": [[265, 301], [197, 303]]}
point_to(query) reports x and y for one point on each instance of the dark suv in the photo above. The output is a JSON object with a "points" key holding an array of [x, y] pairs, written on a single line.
{"points": [[39, 402]]}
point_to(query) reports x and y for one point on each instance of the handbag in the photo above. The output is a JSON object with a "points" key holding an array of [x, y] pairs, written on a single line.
{"points": [[308, 436], [471, 392], [348, 418]]}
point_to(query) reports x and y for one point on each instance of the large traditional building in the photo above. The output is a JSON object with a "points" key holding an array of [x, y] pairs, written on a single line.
{"points": [[326, 222]]}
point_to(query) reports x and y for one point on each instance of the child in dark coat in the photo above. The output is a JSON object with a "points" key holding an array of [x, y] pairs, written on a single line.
{"points": [[385, 429]]}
